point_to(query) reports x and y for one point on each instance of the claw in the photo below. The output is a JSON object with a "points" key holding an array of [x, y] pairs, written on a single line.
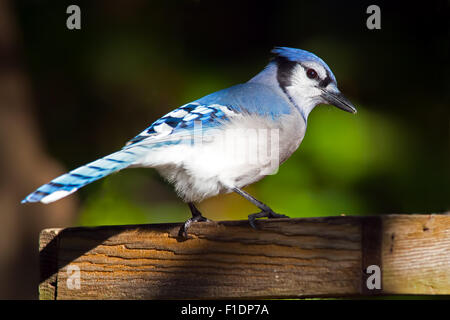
{"points": [[263, 214], [183, 229], [277, 216]]}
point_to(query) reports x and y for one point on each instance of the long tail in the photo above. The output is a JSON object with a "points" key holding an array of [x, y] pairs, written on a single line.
{"points": [[72, 181]]}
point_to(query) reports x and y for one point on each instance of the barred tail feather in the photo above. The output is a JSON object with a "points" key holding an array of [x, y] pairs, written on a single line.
{"points": [[72, 181]]}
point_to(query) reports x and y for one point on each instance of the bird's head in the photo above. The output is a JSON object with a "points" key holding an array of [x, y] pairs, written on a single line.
{"points": [[307, 80]]}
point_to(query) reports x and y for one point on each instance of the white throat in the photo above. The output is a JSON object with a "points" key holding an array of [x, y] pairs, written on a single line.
{"points": [[303, 92]]}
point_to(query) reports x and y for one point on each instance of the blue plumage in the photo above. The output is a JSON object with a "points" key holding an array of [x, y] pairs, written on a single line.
{"points": [[75, 179], [183, 118], [208, 115], [270, 111], [253, 98], [298, 55]]}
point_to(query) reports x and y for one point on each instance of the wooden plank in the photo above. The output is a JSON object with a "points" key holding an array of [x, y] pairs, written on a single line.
{"points": [[285, 258], [416, 254], [48, 263], [371, 238]]}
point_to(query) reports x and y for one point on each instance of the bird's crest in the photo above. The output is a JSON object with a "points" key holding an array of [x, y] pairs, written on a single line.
{"points": [[299, 55]]}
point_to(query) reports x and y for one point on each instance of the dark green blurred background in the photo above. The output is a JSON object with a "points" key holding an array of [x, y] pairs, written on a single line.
{"points": [[133, 61]]}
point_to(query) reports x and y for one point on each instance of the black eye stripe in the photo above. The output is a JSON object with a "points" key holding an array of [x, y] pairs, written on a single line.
{"points": [[284, 71], [323, 83], [286, 67]]}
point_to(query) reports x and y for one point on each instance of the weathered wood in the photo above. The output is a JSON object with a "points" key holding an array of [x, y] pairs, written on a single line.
{"points": [[416, 254], [284, 258], [48, 262]]}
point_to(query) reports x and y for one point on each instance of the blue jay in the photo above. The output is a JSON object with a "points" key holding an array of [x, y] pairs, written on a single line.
{"points": [[186, 146]]}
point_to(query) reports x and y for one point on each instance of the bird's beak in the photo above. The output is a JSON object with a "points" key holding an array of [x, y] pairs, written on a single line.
{"points": [[337, 99]]}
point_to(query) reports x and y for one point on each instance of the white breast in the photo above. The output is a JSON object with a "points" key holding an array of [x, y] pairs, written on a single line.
{"points": [[242, 152]]}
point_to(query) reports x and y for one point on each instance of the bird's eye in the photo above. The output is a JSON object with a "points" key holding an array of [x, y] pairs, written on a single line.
{"points": [[311, 73]]}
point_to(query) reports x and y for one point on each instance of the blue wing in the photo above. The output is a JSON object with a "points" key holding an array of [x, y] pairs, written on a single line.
{"points": [[173, 128], [168, 128], [213, 110]]}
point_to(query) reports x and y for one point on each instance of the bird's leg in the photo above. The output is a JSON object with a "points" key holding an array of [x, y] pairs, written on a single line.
{"points": [[266, 212], [196, 217]]}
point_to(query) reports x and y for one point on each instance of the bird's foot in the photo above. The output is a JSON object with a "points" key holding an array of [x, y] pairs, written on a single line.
{"points": [[264, 214], [183, 229]]}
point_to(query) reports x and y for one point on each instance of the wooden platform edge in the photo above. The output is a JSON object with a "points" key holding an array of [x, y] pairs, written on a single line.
{"points": [[412, 250], [48, 263]]}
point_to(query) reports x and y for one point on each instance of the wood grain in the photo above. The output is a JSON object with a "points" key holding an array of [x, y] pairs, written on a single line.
{"points": [[284, 258], [416, 254], [48, 263]]}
